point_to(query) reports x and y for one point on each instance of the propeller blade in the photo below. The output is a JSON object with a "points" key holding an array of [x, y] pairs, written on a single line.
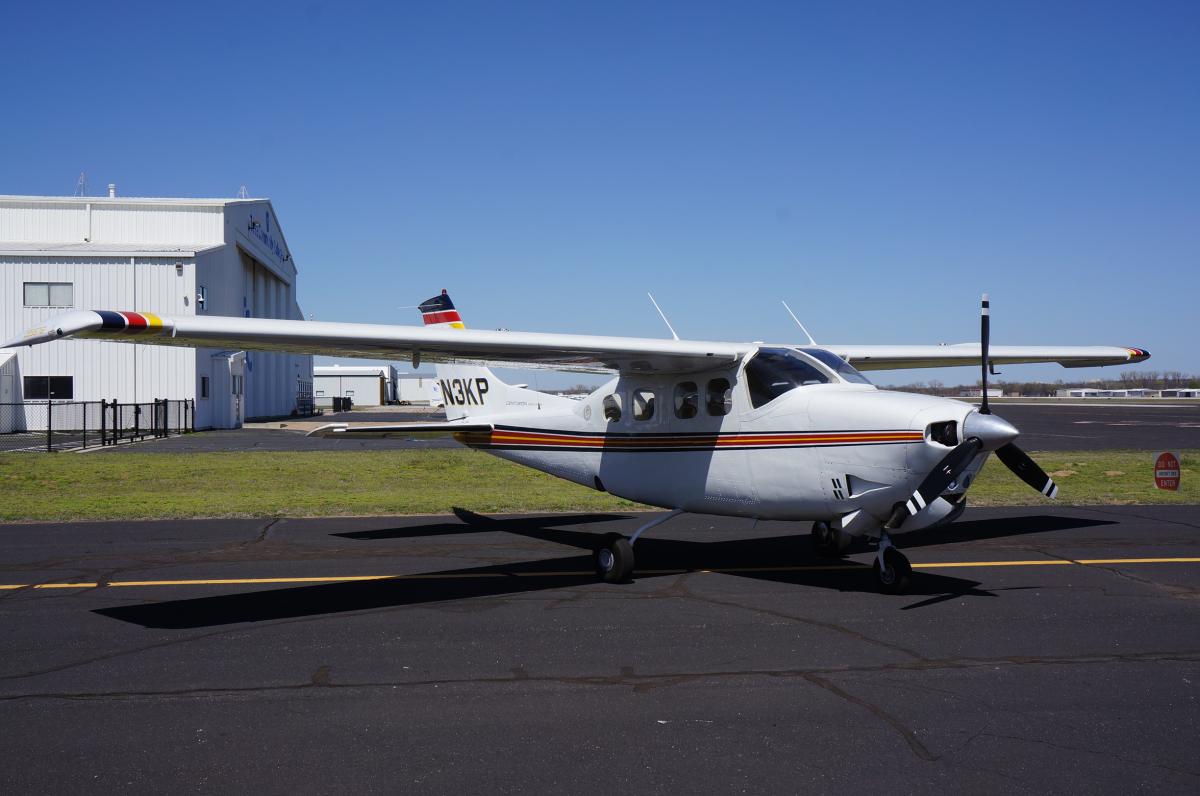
{"points": [[1027, 470], [947, 472], [985, 333]]}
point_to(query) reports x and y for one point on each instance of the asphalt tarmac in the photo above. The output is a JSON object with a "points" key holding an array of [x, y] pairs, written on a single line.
{"points": [[1039, 650], [1044, 427]]}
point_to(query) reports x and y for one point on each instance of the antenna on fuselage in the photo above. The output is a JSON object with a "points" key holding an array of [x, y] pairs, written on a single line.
{"points": [[662, 315], [811, 341]]}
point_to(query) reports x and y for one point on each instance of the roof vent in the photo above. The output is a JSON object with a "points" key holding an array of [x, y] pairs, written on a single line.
{"points": [[112, 190]]}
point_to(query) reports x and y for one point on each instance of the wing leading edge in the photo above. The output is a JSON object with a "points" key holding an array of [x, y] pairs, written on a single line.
{"points": [[586, 353], [902, 357]]}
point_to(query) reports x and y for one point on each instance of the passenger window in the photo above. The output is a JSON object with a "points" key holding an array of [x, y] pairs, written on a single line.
{"points": [[687, 400], [612, 407], [643, 404], [720, 397]]}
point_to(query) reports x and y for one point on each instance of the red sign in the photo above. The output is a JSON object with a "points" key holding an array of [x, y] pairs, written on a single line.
{"points": [[1166, 472]]}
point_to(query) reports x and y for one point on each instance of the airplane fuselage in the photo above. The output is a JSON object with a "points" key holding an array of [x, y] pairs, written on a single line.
{"points": [[817, 452]]}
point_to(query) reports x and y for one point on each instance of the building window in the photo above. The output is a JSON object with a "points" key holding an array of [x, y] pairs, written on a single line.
{"points": [[45, 388], [204, 386], [201, 297], [49, 294]]}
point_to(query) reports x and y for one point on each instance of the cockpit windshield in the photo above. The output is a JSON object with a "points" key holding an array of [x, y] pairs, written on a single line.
{"points": [[838, 365], [774, 371]]}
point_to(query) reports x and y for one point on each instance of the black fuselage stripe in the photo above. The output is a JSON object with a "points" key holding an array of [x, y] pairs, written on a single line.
{"points": [[701, 434], [672, 449]]}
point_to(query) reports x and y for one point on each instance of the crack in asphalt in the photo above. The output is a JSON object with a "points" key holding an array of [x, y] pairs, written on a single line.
{"points": [[1110, 513], [627, 676], [803, 620], [904, 731]]}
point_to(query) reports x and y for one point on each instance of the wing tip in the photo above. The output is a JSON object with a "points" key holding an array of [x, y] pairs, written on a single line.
{"points": [[329, 429]]}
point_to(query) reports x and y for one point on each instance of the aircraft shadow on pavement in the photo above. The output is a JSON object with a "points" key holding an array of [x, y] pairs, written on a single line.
{"points": [[762, 558]]}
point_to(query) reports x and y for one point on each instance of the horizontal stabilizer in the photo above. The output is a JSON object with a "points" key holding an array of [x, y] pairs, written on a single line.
{"points": [[334, 430]]}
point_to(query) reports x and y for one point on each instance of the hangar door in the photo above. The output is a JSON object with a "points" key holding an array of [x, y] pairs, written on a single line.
{"points": [[228, 390]]}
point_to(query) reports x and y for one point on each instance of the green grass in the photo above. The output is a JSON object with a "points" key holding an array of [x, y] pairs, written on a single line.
{"points": [[1089, 478], [138, 485]]}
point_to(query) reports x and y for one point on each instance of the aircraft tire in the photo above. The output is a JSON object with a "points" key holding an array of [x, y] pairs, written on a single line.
{"points": [[614, 559], [894, 576], [828, 541]]}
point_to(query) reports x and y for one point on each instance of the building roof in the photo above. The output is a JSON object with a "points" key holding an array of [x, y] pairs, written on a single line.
{"points": [[27, 248], [118, 200], [353, 370]]}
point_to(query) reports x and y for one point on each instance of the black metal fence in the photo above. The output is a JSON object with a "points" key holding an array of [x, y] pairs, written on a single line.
{"points": [[305, 405], [67, 425]]}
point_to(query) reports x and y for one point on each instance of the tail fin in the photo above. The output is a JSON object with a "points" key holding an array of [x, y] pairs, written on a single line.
{"points": [[439, 311], [473, 390]]}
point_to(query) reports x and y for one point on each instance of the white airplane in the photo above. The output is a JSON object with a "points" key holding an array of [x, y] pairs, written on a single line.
{"points": [[764, 431]]}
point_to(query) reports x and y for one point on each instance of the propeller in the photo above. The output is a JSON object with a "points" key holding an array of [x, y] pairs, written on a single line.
{"points": [[985, 332], [1027, 470], [981, 431]]}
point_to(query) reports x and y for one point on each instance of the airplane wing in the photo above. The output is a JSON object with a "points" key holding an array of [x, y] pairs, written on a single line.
{"points": [[587, 353], [902, 357], [572, 352], [400, 430]]}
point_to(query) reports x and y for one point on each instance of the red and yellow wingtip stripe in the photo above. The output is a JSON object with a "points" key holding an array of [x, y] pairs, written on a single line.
{"points": [[125, 322], [1138, 354]]}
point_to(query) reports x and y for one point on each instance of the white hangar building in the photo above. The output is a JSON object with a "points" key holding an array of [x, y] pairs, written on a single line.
{"points": [[163, 256], [366, 385]]}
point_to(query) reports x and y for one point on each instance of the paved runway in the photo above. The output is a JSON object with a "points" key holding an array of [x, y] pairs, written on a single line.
{"points": [[245, 654], [1054, 427], [1043, 428]]}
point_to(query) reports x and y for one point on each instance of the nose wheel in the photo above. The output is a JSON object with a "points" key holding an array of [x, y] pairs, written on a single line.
{"points": [[892, 570]]}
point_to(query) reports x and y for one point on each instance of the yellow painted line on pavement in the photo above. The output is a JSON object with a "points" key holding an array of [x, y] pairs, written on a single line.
{"points": [[1053, 562], [1056, 562]]}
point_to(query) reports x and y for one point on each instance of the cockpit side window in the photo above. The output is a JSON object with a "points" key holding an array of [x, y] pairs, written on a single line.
{"points": [[774, 371], [838, 365]]}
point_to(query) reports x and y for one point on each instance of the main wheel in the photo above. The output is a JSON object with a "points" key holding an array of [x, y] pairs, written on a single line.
{"points": [[829, 541], [614, 559], [895, 573]]}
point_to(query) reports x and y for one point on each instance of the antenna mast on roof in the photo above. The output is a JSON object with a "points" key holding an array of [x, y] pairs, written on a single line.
{"points": [[243, 193], [811, 341], [664, 316], [81, 185]]}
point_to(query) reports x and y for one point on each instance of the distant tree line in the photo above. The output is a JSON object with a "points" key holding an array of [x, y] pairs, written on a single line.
{"points": [[1129, 380]]}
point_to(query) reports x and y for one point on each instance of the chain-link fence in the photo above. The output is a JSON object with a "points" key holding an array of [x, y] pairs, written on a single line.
{"points": [[67, 425]]}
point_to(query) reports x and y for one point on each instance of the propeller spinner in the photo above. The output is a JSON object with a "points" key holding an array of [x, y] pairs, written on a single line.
{"points": [[982, 431]]}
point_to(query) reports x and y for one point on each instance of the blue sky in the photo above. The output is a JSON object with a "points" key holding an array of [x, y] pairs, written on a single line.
{"points": [[877, 165]]}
